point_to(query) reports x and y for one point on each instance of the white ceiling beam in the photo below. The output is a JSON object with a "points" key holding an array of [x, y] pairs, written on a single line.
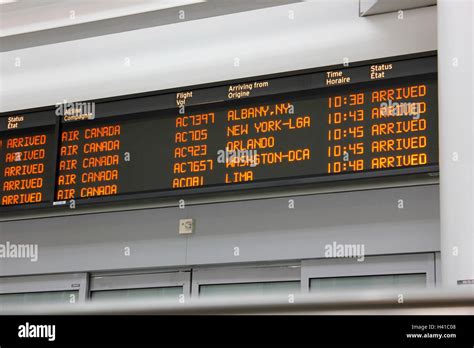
{"points": [[374, 7]]}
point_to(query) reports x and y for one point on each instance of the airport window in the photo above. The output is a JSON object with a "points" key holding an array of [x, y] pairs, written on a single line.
{"points": [[166, 286], [243, 281], [28, 291], [374, 273], [38, 298], [165, 293], [378, 282], [270, 288]]}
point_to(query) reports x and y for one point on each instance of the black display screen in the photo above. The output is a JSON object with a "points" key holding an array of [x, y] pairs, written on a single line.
{"points": [[347, 122]]}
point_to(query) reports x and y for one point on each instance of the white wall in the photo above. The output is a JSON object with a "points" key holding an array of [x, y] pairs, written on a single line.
{"points": [[262, 229], [456, 125], [265, 41]]}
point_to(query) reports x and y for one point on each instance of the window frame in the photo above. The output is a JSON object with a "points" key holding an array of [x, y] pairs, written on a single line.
{"points": [[244, 275], [46, 283], [371, 266], [135, 281]]}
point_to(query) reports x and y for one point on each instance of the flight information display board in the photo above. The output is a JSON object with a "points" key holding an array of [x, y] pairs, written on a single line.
{"points": [[364, 120], [27, 166]]}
